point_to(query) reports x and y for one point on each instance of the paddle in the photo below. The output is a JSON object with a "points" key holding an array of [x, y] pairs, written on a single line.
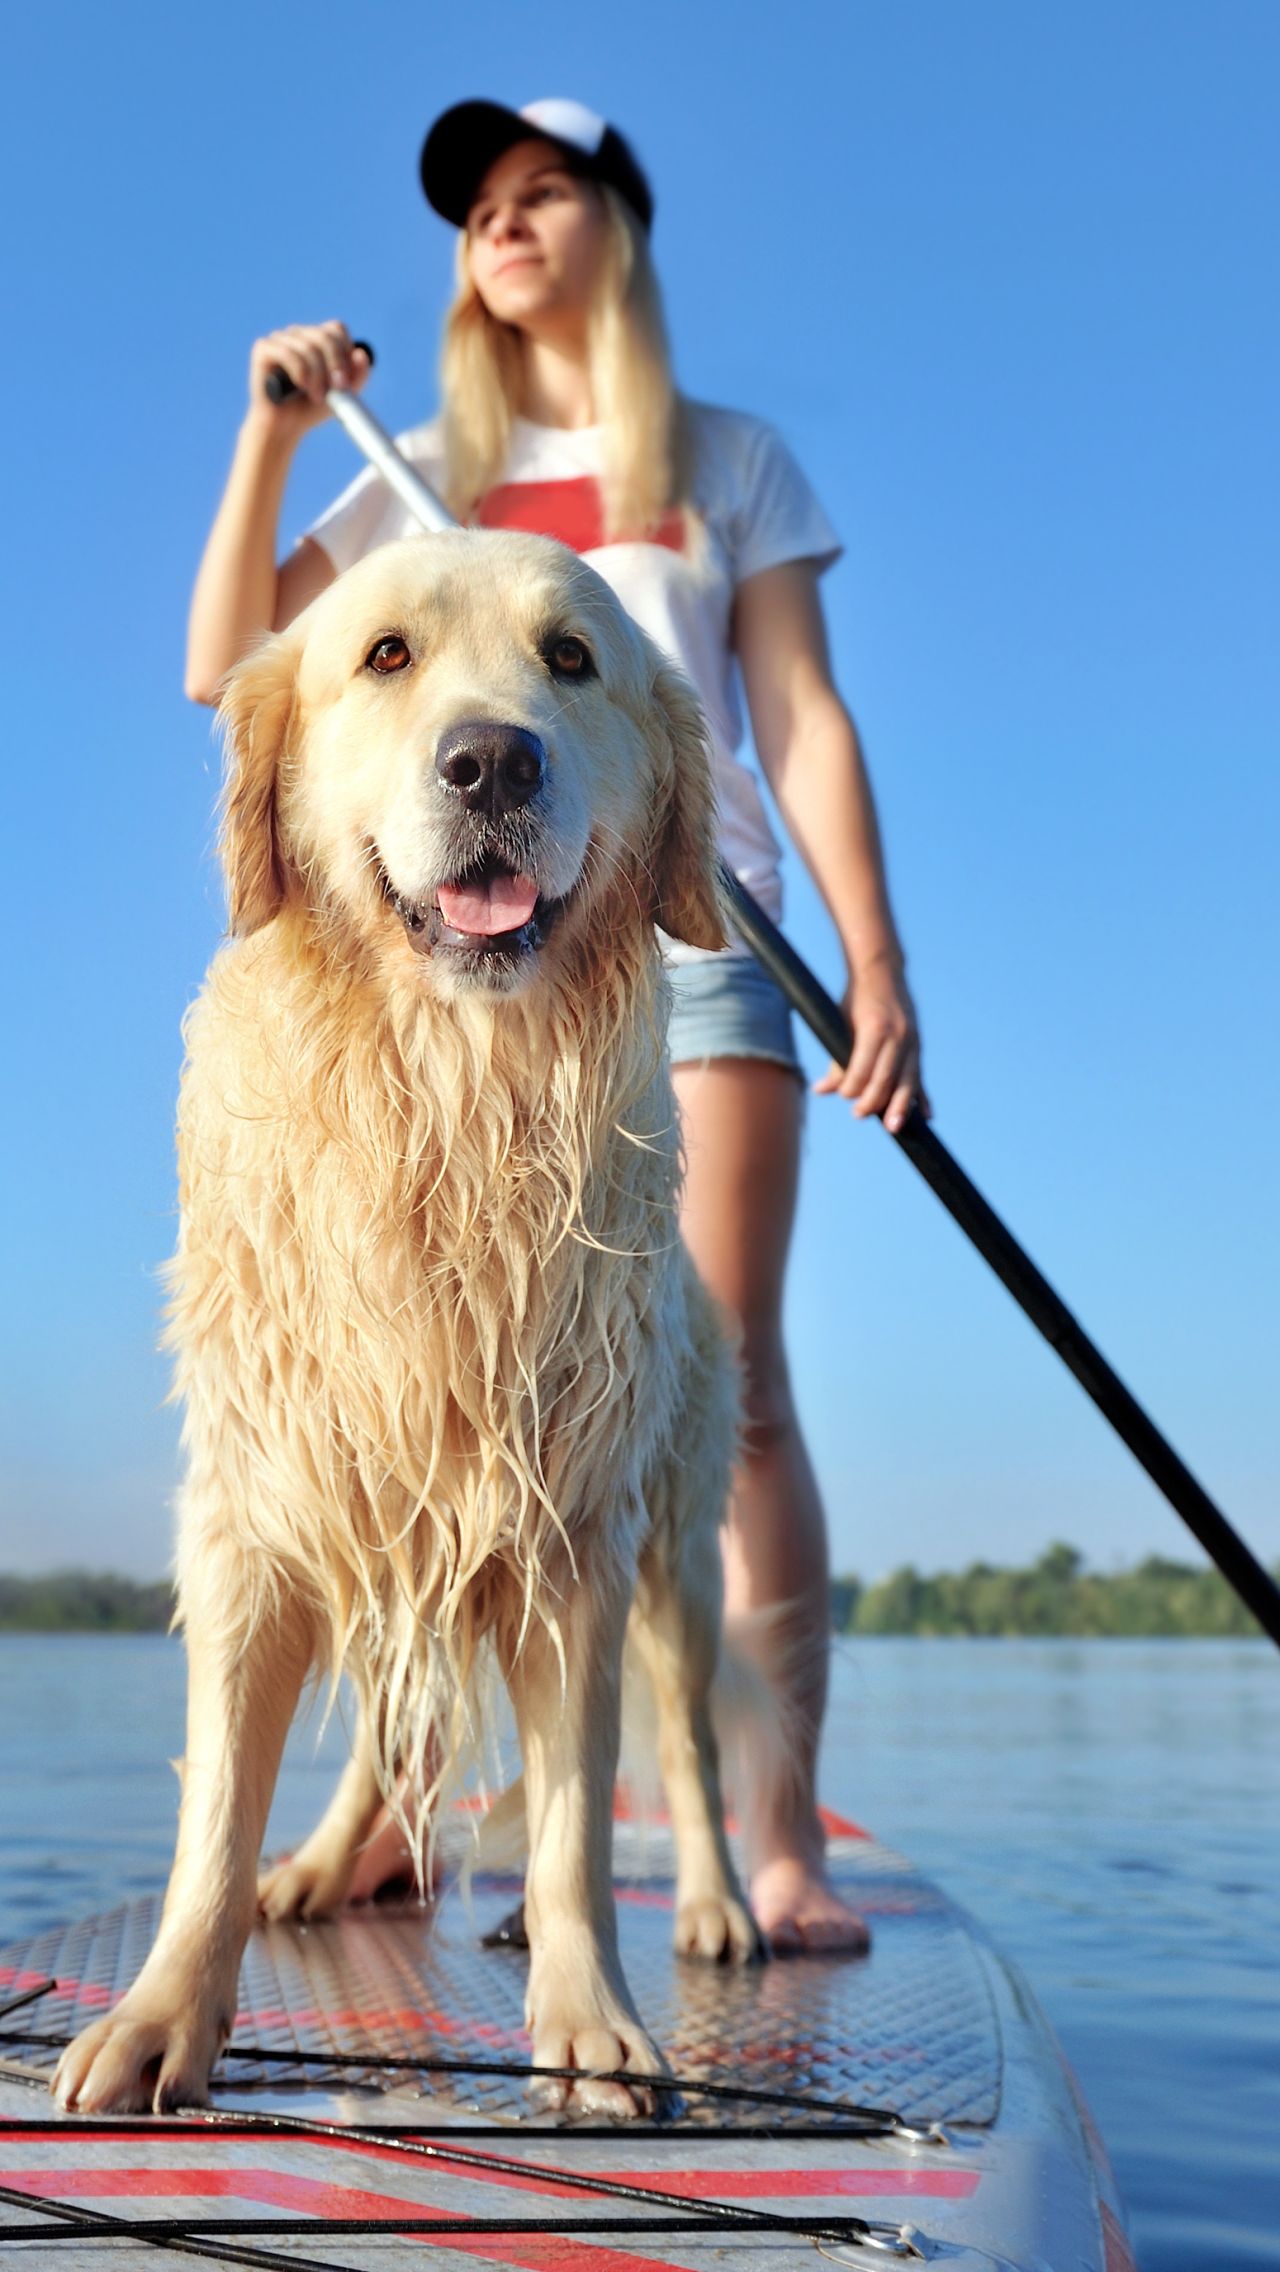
{"points": [[1254, 1585]]}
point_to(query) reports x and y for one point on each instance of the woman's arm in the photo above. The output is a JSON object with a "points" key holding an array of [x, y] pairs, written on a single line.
{"points": [[808, 746], [239, 592]]}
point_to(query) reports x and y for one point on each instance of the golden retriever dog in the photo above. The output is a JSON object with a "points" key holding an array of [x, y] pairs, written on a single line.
{"points": [[452, 1388]]}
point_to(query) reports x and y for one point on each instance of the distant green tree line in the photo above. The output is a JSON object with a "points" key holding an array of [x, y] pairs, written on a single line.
{"points": [[1056, 1594], [1157, 1598], [83, 1601]]}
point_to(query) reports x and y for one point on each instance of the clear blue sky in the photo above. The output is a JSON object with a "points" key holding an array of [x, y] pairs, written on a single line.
{"points": [[1004, 275]]}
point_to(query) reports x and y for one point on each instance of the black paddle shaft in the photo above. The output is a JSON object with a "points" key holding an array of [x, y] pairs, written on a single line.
{"points": [[945, 1177]]}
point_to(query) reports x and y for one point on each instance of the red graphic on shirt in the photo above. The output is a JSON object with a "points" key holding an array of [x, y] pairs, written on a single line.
{"points": [[571, 510]]}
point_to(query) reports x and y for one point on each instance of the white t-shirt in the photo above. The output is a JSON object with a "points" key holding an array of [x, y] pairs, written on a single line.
{"points": [[757, 511]]}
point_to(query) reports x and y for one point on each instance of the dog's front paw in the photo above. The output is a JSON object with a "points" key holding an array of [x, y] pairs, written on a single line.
{"points": [[598, 2046], [149, 2054], [300, 1886], [721, 1929]]}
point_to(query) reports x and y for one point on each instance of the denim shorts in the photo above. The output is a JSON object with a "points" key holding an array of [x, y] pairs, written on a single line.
{"points": [[727, 1006]]}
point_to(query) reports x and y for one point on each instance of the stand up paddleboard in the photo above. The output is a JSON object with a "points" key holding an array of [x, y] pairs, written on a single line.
{"points": [[372, 2108]]}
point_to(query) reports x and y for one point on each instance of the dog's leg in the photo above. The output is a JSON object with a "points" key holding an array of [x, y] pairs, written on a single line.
{"points": [[578, 2009], [675, 1627], [314, 1881], [157, 2047]]}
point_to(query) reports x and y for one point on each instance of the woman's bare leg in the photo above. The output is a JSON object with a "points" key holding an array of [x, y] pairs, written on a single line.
{"points": [[742, 1120], [357, 1850], [385, 1859]]}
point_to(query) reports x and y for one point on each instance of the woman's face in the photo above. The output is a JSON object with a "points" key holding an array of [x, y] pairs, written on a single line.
{"points": [[536, 236]]}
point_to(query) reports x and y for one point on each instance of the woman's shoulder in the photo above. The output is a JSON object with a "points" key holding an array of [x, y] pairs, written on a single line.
{"points": [[740, 461], [733, 452], [747, 482], [717, 430]]}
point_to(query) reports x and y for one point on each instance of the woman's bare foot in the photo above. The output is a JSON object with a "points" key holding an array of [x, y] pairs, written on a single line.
{"points": [[800, 1912], [385, 1863]]}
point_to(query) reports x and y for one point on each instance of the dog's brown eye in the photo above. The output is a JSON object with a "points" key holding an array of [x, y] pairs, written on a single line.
{"points": [[389, 655], [568, 658]]}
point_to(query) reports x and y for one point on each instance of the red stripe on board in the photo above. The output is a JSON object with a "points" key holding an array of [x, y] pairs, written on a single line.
{"points": [[571, 510], [165, 2184], [802, 2184], [624, 1810], [317, 2198], [286, 2189], [1119, 2255], [729, 2184], [306, 2196], [320, 2197], [10, 1977], [839, 1825]]}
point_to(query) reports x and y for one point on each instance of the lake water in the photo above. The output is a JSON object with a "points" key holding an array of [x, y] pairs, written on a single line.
{"points": [[1109, 1809]]}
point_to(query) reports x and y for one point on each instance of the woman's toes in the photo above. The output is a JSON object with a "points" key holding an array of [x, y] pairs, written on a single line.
{"points": [[801, 1913]]}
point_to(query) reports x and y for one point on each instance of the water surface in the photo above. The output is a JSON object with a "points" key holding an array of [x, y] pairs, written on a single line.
{"points": [[1110, 1810]]}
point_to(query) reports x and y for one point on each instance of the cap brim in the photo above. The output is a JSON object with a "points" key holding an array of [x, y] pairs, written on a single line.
{"points": [[461, 147]]}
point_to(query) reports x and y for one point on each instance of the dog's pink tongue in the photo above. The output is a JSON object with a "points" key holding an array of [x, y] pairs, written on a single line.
{"points": [[500, 903]]}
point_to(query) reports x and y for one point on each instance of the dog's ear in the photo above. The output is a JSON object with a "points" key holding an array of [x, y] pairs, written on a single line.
{"points": [[255, 710], [684, 858]]}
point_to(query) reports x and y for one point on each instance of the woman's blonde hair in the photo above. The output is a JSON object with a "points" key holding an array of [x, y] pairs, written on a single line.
{"points": [[646, 453]]}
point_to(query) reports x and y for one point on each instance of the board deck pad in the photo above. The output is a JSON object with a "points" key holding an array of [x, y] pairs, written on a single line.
{"points": [[911, 2027]]}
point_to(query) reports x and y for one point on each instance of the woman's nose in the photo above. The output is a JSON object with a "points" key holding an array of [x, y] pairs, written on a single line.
{"points": [[506, 221]]}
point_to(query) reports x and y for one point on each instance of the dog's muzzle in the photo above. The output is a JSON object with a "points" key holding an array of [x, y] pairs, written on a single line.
{"points": [[490, 913]]}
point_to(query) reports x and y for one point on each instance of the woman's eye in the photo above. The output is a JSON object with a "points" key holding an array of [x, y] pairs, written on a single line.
{"points": [[568, 658], [389, 655]]}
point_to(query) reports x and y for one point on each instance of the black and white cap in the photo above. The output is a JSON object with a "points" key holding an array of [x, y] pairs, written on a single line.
{"points": [[464, 142]]}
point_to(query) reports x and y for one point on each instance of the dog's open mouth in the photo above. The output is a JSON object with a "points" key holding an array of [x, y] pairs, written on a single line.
{"points": [[491, 912], [492, 905]]}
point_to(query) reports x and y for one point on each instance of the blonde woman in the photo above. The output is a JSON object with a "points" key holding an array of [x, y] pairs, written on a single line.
{"points": [[559, 414]]}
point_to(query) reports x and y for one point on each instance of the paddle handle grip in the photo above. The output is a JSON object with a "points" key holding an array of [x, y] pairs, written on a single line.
{"points": [[278, 385], [376, 445]]}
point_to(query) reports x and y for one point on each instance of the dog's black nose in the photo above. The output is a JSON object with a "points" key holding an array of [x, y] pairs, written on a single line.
{"points": [[493, 768]]}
